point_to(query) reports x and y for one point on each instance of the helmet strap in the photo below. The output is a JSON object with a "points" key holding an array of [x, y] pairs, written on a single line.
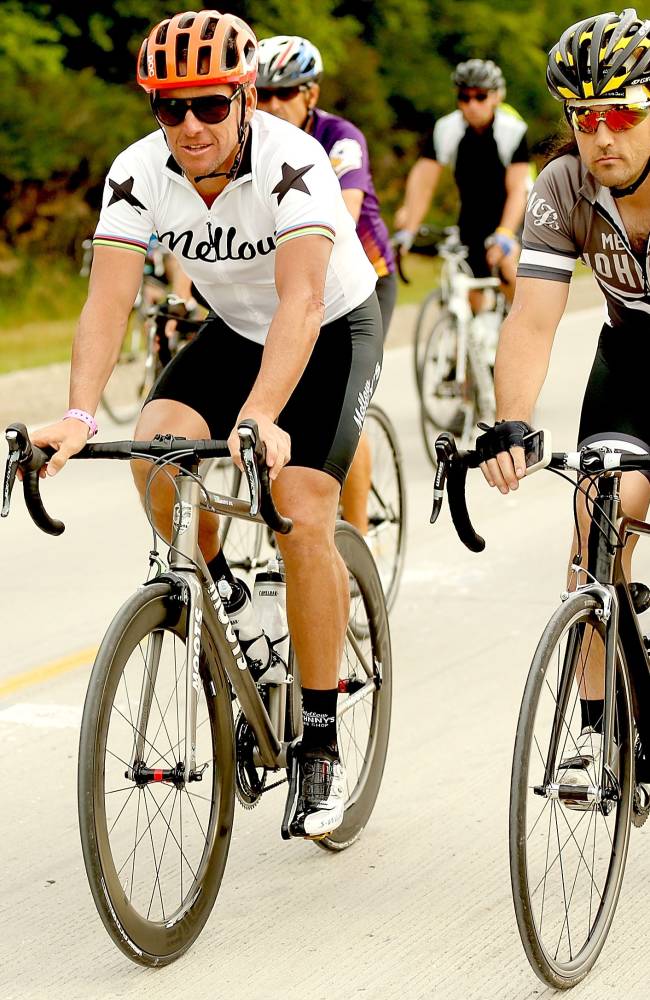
{"points": [[631, 188], [307, 122], [241, 139]]}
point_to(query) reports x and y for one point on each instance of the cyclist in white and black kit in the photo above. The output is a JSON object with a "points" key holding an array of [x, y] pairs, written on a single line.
{"points": [[591, 203], [252, 209], [484, 143]]}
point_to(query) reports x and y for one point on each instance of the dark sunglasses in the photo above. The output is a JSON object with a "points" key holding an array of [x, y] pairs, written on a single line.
{"points": [[465, 98], [210, 110], [264, 94], [618, 118]]}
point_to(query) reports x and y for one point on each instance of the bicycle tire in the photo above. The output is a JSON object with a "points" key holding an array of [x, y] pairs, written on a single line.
{"points": [[537, 909], [133, 377], [363, 777], [159, 936], [433, 298], [386, 502], [445, 404]]}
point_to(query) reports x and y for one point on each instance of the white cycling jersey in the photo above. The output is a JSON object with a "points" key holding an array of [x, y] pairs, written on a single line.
{"points": [[285, 188]]}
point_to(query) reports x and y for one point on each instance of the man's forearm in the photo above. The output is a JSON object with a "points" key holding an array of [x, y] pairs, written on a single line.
{"points": [[95, 352], [290, 342], [520, 369], [420, 189], [513, 210]]}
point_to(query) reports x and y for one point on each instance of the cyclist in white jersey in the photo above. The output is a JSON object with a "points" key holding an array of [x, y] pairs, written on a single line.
{"points": [[254, 212], [591, 202]]}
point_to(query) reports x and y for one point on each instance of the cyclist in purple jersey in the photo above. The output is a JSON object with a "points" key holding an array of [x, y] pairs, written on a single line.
{"points": [[287, 86]]}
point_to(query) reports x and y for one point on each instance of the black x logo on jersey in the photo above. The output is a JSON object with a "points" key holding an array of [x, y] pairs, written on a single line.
{"points": [[123, 192], [291, 179]]}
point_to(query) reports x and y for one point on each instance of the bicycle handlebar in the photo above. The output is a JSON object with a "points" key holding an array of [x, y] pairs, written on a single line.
{"points": [[31, 459], [453, 466]]}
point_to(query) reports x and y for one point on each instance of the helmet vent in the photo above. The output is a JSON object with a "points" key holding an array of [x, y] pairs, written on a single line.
{"points": [[182, 44], [161, 37], [187, 20], [203, 62], [161, 65], [231, 56], [209, 28]]}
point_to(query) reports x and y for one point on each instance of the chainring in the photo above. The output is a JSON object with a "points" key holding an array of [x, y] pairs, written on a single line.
{"points": [[249, 779]]}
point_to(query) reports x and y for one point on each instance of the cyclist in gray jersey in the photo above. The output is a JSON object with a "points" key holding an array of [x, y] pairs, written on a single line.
{"points": [[593, 203]]}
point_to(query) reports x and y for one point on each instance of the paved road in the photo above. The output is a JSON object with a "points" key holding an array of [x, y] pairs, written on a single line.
{"points": [[420, 907]]}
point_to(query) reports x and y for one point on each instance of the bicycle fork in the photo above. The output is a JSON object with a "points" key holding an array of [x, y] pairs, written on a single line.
{"points": [[607, 790]]}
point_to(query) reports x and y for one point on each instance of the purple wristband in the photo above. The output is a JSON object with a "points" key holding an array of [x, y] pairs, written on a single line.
{"points": [[86, 418]]}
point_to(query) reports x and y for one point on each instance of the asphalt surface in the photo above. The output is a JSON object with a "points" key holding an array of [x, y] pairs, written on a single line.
{"points": [[421, 906]]}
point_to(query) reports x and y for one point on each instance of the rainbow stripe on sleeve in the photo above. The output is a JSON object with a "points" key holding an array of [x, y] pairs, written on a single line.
{"points": [[107, 240], [307, 229]]}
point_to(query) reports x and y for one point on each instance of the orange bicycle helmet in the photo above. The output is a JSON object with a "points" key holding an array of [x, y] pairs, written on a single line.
{"points": [[197, 49]]}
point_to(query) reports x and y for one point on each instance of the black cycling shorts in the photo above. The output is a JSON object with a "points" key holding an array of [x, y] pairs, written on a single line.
{"points": [[215, 373], [615, 408]]}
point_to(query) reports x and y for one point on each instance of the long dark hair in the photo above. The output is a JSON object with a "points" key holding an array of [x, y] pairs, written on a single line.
{"points": [[562, 144]]}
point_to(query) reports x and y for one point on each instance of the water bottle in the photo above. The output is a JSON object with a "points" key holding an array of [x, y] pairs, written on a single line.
{"points": [[250, 632], [486, 327], [270, 605]]}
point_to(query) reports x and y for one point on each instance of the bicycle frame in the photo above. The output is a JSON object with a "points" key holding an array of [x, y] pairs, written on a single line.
{"points": [[189, 576], [609, 586], [461, 285]]}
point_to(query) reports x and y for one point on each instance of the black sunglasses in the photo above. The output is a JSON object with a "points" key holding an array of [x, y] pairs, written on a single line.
{"points": [[211, 109], [264, 94], [465, 98]]}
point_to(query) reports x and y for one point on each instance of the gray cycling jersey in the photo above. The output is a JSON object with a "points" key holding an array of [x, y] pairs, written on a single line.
{"points": [[569, 216]]}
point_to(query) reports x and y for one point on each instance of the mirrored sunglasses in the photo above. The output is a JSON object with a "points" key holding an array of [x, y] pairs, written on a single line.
{"points": [[210, 110], [618, 118]]}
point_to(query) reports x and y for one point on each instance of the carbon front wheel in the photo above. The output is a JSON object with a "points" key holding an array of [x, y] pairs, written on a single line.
{"points": [[567, 855], [154, 844], [365, 689]]}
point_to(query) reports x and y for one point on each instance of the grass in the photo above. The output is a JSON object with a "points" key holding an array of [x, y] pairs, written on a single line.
{"points": [[41, 301], [35, 344], [423, 273]]}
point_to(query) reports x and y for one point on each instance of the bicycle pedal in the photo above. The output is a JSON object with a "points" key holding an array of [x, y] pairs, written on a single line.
{"points": [[292, 793]]}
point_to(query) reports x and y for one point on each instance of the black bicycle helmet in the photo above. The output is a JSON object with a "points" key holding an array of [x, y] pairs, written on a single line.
{"points": [[479, 73], [600, 56]]}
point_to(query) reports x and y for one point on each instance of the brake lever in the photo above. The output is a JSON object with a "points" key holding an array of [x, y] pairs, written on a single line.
{"points": [[247, 443], [11, 469]]}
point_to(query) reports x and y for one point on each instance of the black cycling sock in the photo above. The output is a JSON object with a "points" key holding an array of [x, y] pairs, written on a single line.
{"points": [[592, 710], [319, 720], [219, 568]]}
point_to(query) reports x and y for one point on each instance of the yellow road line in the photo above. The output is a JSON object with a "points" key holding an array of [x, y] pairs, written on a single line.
{"points": [[31, 677]]}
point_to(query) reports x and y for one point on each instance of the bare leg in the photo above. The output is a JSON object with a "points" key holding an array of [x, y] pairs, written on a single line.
{"points": [[317, 580], [635, 498], [166, 416], [354, 495]]}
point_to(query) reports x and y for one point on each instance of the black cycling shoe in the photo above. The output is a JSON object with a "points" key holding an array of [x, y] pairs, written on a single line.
{"points": [[640, 595], [316, 799]]}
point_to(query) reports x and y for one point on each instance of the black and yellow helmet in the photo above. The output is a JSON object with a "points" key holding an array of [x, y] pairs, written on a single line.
{"points": [[600, 57]]}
